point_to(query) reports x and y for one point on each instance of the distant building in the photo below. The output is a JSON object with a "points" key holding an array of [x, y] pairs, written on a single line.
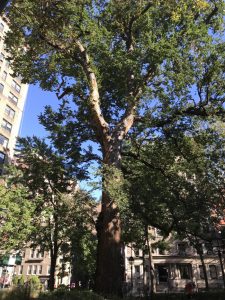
{"points": [[35, 262], [173, 268], [12, 101]]}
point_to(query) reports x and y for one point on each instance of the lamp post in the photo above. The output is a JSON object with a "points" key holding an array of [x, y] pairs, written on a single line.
{"points": [[131, 262]]}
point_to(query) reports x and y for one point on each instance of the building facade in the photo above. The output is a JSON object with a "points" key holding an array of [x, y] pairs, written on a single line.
{"points": [[12, 101], [173, 268], [36, 262]]}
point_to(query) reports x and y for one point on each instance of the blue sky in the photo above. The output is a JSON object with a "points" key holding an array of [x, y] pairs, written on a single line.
{"points": [[36, 101]]}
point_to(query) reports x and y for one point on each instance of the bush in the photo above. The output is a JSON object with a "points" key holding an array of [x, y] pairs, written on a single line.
{"points": [[214, 295], [62, 294], [18, 280]]}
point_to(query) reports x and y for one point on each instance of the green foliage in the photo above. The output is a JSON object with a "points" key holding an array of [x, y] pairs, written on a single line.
{"points": [[167, 174], [70, 295], [34, 282], [16, 211], [18, 280]]}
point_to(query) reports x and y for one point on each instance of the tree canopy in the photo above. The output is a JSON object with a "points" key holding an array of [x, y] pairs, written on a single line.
{"points": [[115, 64]]}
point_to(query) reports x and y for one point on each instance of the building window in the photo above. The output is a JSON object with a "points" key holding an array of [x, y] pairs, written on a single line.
{"points": [[209, 248], [40, 270], [13, 98], [32, 251], [6, 125], [9, 112], [4, 75], [1, 27], [49, 269], [29, 270], [137, 269], [185, 271], [16, 86], [213, 272], [136, 252], [201, 273], [1, 88], [2, 57], [21, 270], [3, 141], [2, 158], [35, 269], [182, 247]]}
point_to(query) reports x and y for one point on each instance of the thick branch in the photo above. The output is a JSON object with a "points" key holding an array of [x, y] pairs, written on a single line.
{"points": [[98, 120], [129, 38]]}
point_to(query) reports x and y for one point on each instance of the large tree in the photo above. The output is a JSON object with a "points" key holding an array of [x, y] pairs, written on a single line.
{"points": [[111, 64]]}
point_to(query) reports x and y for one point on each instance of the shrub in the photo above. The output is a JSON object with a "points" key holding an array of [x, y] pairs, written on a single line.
{"points": [[62, 294]]}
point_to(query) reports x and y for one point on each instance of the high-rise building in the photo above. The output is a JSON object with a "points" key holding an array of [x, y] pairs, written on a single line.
{"points": [[12, 100]]}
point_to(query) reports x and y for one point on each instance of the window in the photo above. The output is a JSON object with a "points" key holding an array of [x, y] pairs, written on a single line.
{"points": [[136, 252], [16, 86], [209, 248], [40, 270], [3, 141], [213, 272], [4, 75], [32, 253], [201, 273], [6, 125], [13, 98], [2, 57], [185, 271], [35, 269], [21, 270], [1, 27], [1, 88], [2, 158], [181, 247], [29, 270], [49, 269], [137, 269], [9, 112]]}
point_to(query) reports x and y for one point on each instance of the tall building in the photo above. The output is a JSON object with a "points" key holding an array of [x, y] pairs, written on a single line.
{"points": [[12, 101]]}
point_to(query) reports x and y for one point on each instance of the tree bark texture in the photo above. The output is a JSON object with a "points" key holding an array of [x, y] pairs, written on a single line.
{"points": [[54, 255], [109, 272], [204, 269]]}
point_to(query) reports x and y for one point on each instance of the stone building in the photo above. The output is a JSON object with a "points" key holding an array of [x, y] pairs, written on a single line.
{"points": [[13, 95], [173, 268]]}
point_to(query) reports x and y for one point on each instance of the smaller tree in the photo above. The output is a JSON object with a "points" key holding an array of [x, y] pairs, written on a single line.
{"points": [[16, 212]]}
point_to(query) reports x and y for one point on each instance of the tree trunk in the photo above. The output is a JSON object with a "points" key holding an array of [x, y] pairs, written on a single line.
{"points": [[54, 254], [221, 264], [200, 253], [109, 272], [151, 268]]}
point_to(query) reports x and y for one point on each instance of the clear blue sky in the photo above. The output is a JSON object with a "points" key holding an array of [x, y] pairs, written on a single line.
{"points": [[36, 100]]}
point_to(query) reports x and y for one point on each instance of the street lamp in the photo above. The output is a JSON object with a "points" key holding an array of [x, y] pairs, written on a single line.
{"points": [[131, 262]]}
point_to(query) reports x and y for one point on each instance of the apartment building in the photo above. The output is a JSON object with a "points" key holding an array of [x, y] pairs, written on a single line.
{"points": [[173, 268], [36, 262], [12, 101]]}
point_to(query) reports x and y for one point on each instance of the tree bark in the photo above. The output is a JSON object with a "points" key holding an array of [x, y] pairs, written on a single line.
{"points": [[151, 268], [109, 271], [200, 253], [54, 254]]}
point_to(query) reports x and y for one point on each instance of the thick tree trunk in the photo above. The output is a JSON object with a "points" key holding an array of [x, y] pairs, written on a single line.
{"points": [[109, 272], [52, 270], [109, 253], [200, 253]]}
